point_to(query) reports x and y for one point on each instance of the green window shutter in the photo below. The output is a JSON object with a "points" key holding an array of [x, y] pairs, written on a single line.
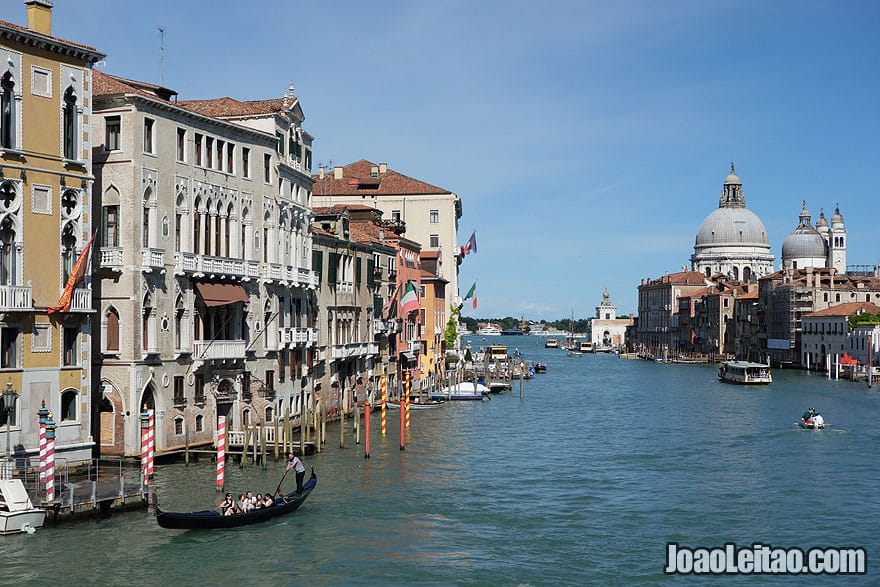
{"points": [[332, 266], [357, 271], [371, 269], [318, 264]]}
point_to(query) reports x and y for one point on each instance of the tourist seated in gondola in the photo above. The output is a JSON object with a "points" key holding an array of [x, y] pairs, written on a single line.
{"points": [[227, 506], [244, 504], [268, 501], [258, 501]]}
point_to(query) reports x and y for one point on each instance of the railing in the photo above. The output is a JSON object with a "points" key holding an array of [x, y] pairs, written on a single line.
{"points": [[297, 335], [15, 297], [379, 326], [307, 278], [153, 258], [354, 349], [271, 271], [219, 349], [222, 266], [81, 300], [344, 287], [110, 258]]}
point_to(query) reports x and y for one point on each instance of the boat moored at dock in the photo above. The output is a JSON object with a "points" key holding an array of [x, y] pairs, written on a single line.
{"points": [[745, 373], [17, 513]]}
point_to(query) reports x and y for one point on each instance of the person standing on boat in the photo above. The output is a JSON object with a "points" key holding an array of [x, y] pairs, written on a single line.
{"points": [[294, 463]]}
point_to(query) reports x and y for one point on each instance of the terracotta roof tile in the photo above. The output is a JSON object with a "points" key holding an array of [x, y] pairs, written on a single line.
{"points": [[390, 182], [847, 309], [226, 106], [24, 29]]}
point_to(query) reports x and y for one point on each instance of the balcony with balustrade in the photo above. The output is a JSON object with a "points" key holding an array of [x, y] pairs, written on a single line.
{"points": [[110, 258], [219, 349], [350, 350], [16, 298], [152, 259], [81, 300], [297, 336], [220, 267]]}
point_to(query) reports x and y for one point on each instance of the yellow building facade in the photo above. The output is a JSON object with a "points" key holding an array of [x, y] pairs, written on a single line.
{"points": [[45, 188]]}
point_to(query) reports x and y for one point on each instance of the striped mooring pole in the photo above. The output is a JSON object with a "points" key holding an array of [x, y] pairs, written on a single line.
{"points": [[221, 450], [384, 404], [151, 446], [50, 459], [408, 390], [43, 415]]}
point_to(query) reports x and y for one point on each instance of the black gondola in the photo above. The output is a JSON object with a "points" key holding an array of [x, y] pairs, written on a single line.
{"points": [[210, 519]]}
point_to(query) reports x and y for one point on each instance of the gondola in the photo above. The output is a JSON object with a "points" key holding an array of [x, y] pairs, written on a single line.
{"points": [[212, 519]]}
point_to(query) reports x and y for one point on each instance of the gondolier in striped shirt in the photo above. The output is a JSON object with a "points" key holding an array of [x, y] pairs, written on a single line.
{"points": [[294, 463]]}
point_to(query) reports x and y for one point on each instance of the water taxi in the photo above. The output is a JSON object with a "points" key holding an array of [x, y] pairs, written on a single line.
{"points": [[551, 343], [745, 373], [17, 513], [586, 346]]}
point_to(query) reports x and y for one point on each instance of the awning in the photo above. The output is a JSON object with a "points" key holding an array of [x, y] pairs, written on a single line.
{"points": [[220, 294], [408, 356]]}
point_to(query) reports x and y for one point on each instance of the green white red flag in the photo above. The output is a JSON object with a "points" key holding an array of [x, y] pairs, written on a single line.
{"points": [[410, 300]]}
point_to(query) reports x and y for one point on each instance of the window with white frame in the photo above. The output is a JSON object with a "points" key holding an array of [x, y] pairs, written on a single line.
{"points": [[69, 401], [434, 216], [41, 82], [435, 241], [41, 201], [112, 133], [42, 339], [149, 138], [70, 124], [8, 112]]}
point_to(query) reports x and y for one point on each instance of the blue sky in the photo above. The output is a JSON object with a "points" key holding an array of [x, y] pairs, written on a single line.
{"points": [[587, 140]]}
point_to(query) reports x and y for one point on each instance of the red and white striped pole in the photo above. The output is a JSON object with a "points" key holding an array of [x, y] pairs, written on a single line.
{"points": [[50, 459], [408, 390], [384, 402], [145, 446], [43, 415], [151, 446], [221, 450]]}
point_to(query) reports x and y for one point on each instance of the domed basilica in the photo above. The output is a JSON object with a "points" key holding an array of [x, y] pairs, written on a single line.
{"points": [[732, 240], [822, 246]]}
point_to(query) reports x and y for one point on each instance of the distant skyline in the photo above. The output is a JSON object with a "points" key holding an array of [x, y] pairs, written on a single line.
{"points": [[587, 140]]}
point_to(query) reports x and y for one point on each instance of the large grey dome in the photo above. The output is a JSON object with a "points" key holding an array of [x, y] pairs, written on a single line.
{"points": [[732, 226]]}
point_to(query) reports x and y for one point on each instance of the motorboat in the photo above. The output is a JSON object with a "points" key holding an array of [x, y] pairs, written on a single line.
{"points": [[17, 513], [745, 373], [812, 421], [466, 390], [540, 367], [551, 343]]}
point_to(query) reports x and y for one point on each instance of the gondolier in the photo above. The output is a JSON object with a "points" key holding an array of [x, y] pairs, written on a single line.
{"points": [[294, 463]]}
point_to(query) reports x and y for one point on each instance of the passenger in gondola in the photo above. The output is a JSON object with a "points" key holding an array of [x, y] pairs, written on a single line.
{"points": [[227, 507], [244, 504], [268, 501], [258, 502]]}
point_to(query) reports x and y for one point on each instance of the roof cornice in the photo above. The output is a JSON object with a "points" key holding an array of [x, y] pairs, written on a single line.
{"points": [[51, 44]]}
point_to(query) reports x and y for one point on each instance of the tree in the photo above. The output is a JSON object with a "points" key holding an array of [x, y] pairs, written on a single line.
{"points": [[450, 335]]}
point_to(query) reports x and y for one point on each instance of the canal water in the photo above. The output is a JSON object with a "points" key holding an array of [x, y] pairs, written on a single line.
{"points": [[582, 481]]}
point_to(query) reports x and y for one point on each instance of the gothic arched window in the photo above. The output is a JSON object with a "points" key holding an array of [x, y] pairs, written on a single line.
{"points": [[7, 111], [68, 251], [69, 124]]}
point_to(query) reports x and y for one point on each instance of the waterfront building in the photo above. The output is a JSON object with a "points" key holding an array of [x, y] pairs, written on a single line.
{"points": [[732, 240], [429, 213], [206, 297], [434, 306], [350, 301], [607, 331], [747, 327], [786, 296], [45, 226], [714, 316], [658, 323], [827, 335], [409, 342], [822, 246]]}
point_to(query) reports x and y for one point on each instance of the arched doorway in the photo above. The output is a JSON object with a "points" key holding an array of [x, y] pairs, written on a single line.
{"points": [[111, 418]]}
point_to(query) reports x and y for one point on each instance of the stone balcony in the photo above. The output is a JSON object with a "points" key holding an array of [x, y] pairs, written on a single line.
{"points": [[352, 349], [81, 300], [152, 259], [15, 298], [219, 349], [110, 258], [297, 336], [220, 267]]}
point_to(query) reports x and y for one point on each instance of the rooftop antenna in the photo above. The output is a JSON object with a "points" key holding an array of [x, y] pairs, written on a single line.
{"points": [[161, 56]]}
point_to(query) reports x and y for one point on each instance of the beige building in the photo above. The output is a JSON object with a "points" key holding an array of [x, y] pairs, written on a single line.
{"points": [[430, 214], [608, 332], [206, 293], [45, 224]]}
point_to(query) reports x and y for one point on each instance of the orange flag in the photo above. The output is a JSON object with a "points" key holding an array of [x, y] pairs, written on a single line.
{"points": [[77, 275]]}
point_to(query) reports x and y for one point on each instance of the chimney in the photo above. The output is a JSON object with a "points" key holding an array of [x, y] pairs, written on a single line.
{"points": [[383, 167], [321, 172], [337, 173], [374, 171], [39, 16]]}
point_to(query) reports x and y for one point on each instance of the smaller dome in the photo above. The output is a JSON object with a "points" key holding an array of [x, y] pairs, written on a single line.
{"points": [[837, 218], [803, 243], [821, 221]]}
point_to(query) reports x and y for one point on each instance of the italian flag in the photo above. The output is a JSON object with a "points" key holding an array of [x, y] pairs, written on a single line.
{"points": [[472, 293], [410, 300]]}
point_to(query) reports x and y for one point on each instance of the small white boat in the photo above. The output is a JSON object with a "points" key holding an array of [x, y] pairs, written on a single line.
{"points": [[466, 390], [17, 513], [815, 421], [551, 343]]}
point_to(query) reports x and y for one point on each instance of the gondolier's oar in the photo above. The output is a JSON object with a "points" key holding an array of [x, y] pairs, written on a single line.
{"points": [[277, 489]]}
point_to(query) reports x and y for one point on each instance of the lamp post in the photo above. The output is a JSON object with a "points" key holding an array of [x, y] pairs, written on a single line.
{"points": [[10, 396]]}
